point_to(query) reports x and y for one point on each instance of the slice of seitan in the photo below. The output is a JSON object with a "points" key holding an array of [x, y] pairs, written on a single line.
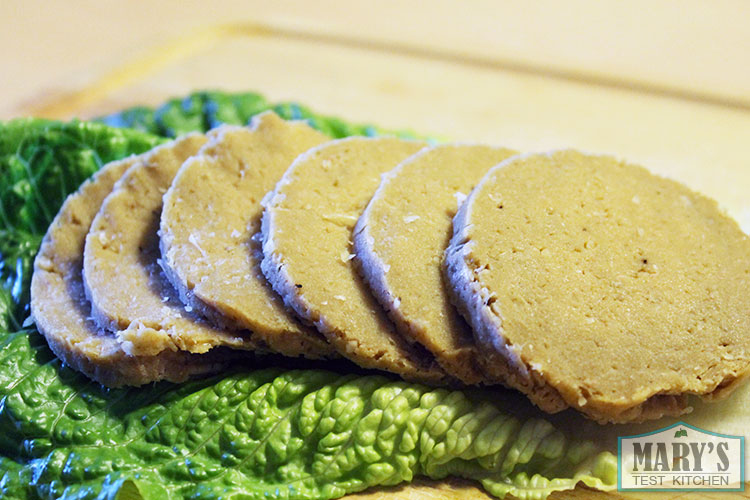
{"points": [[127, 288], [620, 291], [400, 240], [307, 245], [209, 225], [62, 313]]}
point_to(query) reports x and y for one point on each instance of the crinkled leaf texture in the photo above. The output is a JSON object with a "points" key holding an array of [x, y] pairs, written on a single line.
{"points": [[305, 434], [265, 434]]}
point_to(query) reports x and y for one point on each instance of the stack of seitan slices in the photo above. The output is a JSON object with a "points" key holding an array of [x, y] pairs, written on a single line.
{"points": [[208, 231], [63, 314], [400, 239], [308, 256], [124, 282], [585, 282]]}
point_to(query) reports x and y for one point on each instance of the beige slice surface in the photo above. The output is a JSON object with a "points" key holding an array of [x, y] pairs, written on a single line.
{"points": [[209, 222], [128, 291], [400, 239], [62, 312], [620, 290], [307, 245]]}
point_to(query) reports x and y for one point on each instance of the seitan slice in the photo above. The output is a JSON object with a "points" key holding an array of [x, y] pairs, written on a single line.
{"points": [[209, 225], [128, 291], [400, 240], [307, 245], [62, 313], [621, 291]]}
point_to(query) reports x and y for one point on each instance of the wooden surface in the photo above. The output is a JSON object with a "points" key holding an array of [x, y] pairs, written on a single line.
{"points": [[691, 47], [662, 83]]}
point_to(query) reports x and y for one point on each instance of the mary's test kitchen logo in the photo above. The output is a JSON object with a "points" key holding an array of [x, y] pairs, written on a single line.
{"points": [[681, 458]]}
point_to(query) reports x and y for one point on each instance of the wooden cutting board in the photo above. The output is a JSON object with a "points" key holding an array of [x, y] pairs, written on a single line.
{"points": [[703, 144]]}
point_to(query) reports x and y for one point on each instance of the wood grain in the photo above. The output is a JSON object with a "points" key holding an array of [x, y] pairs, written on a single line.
{"points": [[689, 48], [701, 144]]}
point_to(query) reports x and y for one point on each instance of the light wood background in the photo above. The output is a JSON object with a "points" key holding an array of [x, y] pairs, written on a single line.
{"points": [[662, 83]]}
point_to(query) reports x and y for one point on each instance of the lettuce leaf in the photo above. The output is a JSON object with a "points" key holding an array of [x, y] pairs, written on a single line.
{"points": [[266, 433], [202, 111]]}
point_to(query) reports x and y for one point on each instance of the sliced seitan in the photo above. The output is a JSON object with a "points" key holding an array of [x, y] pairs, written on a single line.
{"points": [[62, 313], [209, 225], [621, 291], [400, 240], [307, 245], [127, 288]]}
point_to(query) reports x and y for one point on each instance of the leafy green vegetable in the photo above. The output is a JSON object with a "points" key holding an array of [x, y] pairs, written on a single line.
{"points": [[41, 161], [307, 434], [202, 111], [17, 250], [295, 434]]}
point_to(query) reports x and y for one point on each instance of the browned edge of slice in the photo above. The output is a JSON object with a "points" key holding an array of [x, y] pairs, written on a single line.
{"points": [[211, 214], [62, 313], [334, 182]]}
